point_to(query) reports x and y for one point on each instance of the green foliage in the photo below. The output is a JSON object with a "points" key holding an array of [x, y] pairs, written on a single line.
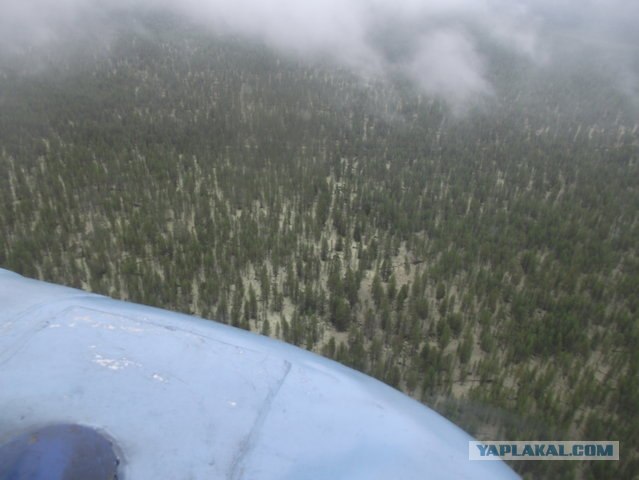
{"points": [[206, 175]]}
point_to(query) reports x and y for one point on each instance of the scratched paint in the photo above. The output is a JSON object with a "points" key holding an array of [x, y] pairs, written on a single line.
{"points": [[190, 398]]}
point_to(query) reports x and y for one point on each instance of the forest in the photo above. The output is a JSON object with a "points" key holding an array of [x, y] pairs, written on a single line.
{"points": [[485, 263]]}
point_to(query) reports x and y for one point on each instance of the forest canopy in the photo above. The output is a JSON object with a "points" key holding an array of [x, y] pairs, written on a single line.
{"points": [[484, 263]]}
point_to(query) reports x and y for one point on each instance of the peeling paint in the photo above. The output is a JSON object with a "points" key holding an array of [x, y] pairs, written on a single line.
{"points": [[229, 404], [114, 364]]}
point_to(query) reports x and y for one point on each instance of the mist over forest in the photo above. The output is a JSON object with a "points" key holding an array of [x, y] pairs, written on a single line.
{"points": [[442, 47], [443, 195]]}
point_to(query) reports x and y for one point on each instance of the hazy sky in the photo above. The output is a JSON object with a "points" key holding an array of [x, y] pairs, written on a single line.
{"points": [[433, 42]]}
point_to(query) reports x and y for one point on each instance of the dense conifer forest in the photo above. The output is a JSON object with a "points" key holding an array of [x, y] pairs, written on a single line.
{"points": [[483, 262]]}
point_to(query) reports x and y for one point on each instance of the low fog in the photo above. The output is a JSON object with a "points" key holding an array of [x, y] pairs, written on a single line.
{"points": [[434, 43]]}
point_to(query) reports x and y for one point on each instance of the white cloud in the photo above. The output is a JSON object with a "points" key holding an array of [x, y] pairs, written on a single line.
{"points": [[439, 37]]}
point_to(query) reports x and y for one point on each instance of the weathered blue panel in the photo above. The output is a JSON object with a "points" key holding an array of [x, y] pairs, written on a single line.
{"points": [[186, 398], [59, 452]]}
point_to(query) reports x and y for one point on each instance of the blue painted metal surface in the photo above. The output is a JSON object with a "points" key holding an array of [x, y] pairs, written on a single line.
{"points": [[59, 452], [186, 398]]}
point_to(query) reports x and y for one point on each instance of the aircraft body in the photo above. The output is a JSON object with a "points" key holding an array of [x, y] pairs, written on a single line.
{"points": [[161, 395]]}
